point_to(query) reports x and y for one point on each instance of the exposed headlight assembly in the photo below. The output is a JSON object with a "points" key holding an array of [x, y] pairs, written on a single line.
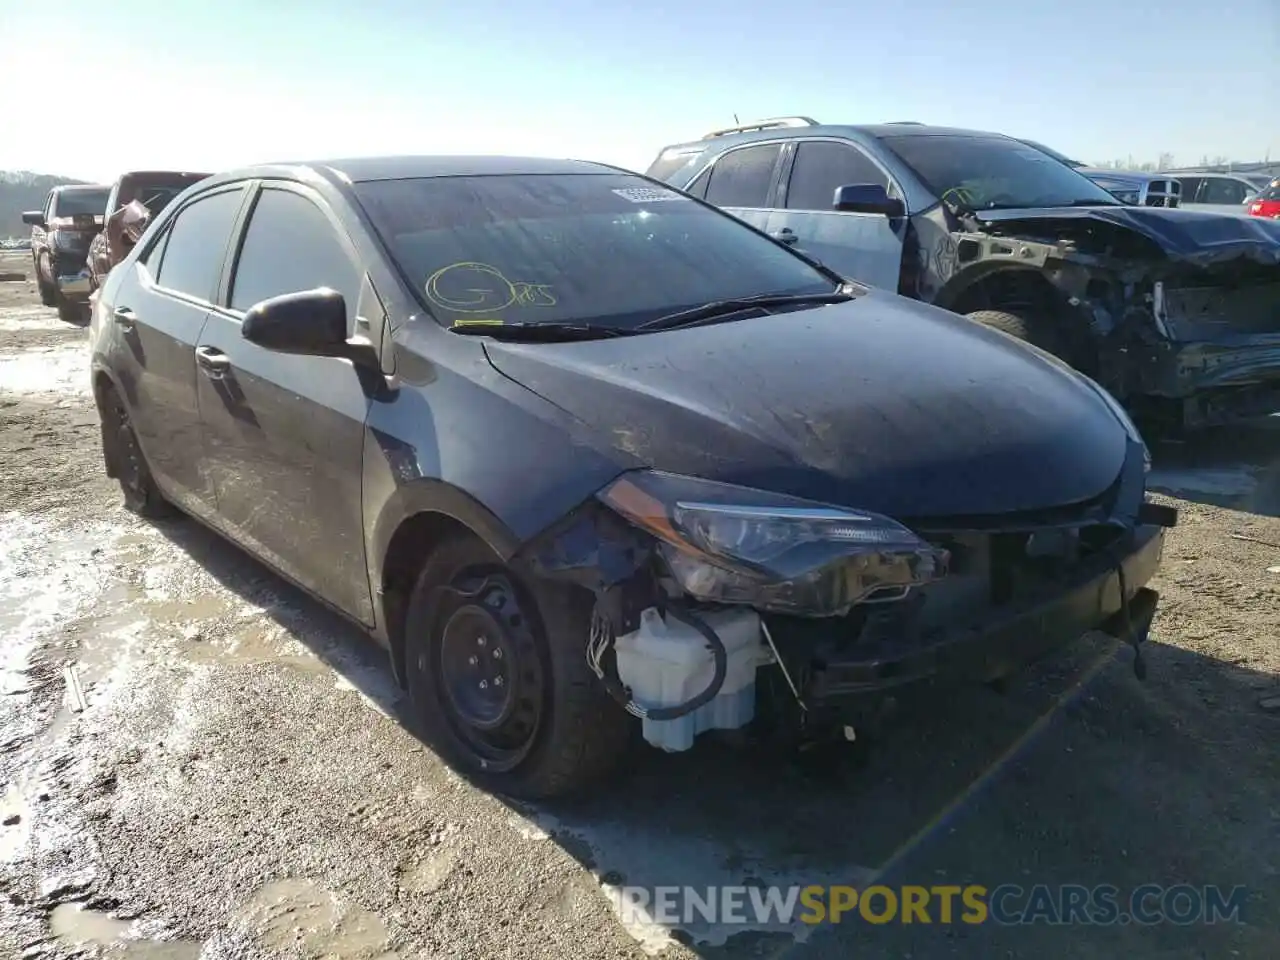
{"points": [[730, 544]]}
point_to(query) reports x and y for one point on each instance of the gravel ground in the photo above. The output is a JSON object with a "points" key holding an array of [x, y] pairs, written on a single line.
{"points": [[238, 786]]}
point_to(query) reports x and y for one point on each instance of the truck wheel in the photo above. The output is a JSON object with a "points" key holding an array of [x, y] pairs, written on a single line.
{"points": [[498, 681], [44, 270], [1032, 328], [126, 463]]}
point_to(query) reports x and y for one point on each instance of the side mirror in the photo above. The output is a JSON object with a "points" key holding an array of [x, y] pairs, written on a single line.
{"points": [[33, 218], [867, 198], [311, 323], [1249, 198]]}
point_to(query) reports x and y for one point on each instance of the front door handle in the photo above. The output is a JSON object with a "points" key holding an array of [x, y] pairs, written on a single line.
{"points": [[212, 360], [124, 318], [786, 236]]}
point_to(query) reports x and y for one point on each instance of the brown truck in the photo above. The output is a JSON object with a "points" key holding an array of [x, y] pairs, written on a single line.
{"points": [[60, 237], [134, 200]]}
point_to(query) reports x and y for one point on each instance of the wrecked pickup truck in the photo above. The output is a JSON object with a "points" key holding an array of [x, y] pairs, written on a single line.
{"points": [[61, 234], [1177, 313], [135, 199]]}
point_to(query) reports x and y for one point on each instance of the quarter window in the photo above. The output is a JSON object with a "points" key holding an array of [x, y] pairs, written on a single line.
{"points": [[291, 246], [196, 245], [741, 178], [823, 165]]}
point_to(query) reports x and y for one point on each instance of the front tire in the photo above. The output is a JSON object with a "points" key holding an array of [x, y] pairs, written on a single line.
{"points": [[1035, 329], [48, 291], [498, 681], [126, 463]]}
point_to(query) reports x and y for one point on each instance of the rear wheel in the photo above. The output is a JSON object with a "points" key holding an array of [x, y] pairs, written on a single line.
{"points": [[126, 463], [498, 680]]}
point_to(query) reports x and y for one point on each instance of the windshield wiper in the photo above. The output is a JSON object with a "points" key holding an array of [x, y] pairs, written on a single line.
{"points": [[539, 332], [718, 310]]}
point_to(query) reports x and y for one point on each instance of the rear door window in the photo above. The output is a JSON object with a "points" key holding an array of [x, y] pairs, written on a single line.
{"points": [[743, 177], [197, 244], [1223, 190], [821, 166], [291, 246]]}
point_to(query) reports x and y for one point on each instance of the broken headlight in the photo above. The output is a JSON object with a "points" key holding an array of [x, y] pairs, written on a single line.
{"points": [[728, 544]]}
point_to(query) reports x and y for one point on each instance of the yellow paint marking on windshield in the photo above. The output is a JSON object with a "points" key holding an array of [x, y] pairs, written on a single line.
{"points": [[471, 287]]}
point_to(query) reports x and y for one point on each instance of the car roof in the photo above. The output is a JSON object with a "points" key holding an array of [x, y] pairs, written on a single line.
{"points": [[365, 169], [80, 187], [856, 132]]}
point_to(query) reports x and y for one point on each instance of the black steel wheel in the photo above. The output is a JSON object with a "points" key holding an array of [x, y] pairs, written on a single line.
{"points": [[125, 460], [498, 680], [489, 670]]}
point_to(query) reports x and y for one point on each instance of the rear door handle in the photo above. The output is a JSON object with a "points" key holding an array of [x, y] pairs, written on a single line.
{"points": [[124, 318], [212, 360], [786, 236]]}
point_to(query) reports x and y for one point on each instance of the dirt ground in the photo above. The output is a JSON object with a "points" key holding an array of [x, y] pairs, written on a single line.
{"points": [[238, 786]]}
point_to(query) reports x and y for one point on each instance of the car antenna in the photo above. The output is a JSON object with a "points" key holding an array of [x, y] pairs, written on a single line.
{"points": [[736, 121]]}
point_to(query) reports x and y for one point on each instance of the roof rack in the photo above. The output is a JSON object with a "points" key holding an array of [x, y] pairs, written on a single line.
{"points": [[769, 124]]}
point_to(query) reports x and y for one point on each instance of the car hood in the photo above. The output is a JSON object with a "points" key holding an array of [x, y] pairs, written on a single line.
{"points": [[881, 403], [1199, 237]]}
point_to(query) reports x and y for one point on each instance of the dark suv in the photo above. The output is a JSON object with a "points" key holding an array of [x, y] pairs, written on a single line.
{"points": [[1176, 313], [60, 238]]}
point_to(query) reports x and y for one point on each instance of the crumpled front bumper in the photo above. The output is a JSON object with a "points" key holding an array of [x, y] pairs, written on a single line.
{"points": [[1013, 636], [1219, 381]]}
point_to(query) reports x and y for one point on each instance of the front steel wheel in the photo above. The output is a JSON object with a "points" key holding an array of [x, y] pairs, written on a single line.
{"points": [[497, 677]]}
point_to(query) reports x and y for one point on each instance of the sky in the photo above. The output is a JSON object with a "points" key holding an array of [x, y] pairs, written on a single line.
{"points": [[211, 85]]}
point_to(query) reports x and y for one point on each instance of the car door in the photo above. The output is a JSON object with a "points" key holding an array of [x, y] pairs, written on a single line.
{"points": [[861, 246], [1224, 195], [157, 313], [285, 433], [742, 180]]}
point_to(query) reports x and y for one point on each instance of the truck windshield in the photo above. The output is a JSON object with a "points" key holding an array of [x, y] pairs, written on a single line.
{"points": [[78, 203], [994, 173]]}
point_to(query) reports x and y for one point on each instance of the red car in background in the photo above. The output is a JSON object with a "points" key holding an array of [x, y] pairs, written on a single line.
{"points": [[1267, 202]]}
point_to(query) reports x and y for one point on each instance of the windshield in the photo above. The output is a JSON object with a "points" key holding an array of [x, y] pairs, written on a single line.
{"points": [[1259, 182], [993, 173], [607, 249], [156, 190], [77, 203], [1272, 192]]}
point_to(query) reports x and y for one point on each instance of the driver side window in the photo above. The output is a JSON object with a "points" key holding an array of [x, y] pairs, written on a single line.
{"points": [[291, 246], [821, 166]]}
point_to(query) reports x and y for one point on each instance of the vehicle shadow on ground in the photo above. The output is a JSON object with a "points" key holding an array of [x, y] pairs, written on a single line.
{"points": [[1236, 467], [1077, 774]]}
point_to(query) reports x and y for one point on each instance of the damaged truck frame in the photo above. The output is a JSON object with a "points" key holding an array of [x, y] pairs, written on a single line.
{"points": [[1175, 312]]}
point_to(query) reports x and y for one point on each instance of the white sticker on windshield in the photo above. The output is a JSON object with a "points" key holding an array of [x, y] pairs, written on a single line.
{"points": [[647, 194]]}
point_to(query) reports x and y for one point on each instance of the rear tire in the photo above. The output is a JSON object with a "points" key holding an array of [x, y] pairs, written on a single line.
{"points": [[126, 462], [1037, 330], [499, 685]]}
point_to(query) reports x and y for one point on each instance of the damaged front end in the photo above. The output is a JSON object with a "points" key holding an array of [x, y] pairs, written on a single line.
{"points": [[703, 589], [1183, 308], [1216, 354]]}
